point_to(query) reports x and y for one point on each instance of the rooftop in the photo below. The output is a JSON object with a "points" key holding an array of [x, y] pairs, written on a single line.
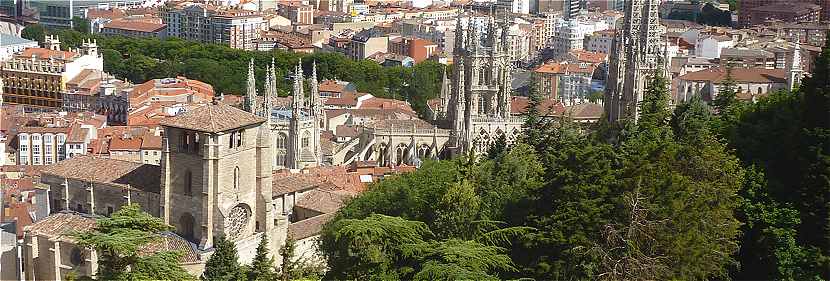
{"points": [[111, 171], [308, 227], [739, 74], [213, 118]]}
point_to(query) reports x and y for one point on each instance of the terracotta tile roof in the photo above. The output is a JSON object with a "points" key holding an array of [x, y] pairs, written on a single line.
{"points": [[322, 201], [43, 130], [565, 68], [284, 184], [59, 226], [741, 75], [308, 227], [43, 53], [127, 144], [548, 107], [134, 25], [151, 142], [144, 177], [383, 103], [345, 99], [584, 111], [588, 56], [212, 118]]}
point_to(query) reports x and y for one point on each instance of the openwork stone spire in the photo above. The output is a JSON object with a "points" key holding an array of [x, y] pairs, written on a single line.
{"points": [[250, 95]]}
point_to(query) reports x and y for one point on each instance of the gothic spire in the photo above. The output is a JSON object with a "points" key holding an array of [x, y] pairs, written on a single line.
{"points": [[250, 95], [459, 33], [316, 101], [298, 95]]}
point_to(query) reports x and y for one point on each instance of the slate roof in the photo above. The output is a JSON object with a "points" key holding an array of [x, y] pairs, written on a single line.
{"points": [[308, 227], [212, 118], [144, 177]]}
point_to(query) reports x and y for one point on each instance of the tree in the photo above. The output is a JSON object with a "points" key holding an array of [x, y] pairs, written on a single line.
{"points": [[81, 25], [223, 265], [389, 248], [498, 147], [36, 32], [535, 123], [727, 106], [262, 267], [654, 107], [119, 240], [287, 270]]}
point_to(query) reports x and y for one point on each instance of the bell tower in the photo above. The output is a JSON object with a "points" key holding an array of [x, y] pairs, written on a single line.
{"points": [[216, 175]]}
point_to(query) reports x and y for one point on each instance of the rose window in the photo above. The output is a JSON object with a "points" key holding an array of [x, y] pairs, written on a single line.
{"points": [[236, 221]]}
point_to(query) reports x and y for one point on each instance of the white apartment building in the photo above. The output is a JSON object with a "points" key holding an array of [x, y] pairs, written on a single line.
{"points": [[236, 28], [41, 145], [600, 41], [570, 34]]}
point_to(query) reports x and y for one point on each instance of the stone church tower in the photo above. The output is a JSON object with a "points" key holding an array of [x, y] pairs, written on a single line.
{"points": [[478, 110], [216, 178]]}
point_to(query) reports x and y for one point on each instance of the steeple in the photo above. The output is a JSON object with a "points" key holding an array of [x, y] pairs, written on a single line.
{"points": [[459, 34], [316, 102], [250, 95], [794, 72], [265, 111], [298, 95], [446, 94]]}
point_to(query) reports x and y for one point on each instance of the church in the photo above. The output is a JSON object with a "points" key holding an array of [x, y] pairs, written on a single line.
{"points": [[475, 105]]}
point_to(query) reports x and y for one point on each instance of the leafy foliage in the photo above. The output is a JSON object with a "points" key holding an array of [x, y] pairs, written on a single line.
{"points": [[118, 241]]}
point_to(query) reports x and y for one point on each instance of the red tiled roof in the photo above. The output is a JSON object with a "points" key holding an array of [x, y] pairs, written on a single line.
{"points": [[308, 227], [565, 68], [135, 25], [549, 107], [322, 201], [43, 53], [104, 170], [128, 144], [60, 226], [213, 118], [739, 74]]}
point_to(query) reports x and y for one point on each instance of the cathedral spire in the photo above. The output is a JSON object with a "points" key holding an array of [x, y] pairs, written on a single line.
{"points": [[794, 72], [459, 34], [315, 93], [250, 95], [298, 95]]}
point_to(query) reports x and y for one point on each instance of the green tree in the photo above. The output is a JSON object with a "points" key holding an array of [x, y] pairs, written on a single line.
{"points": [[223, 265], [81, 25], [262, 267], [498, 147], [654, 107], [288, 269], [119, 240], [36, 32]]}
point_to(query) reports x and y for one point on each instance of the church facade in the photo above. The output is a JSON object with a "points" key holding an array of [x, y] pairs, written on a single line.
{"points": [[475, 103]]}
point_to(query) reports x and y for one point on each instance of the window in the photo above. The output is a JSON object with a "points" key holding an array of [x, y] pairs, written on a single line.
{"points": [[280, 141], [109, 210], [188, 183], [236, 179], [185, 142], [306, 138], [235, 139]]}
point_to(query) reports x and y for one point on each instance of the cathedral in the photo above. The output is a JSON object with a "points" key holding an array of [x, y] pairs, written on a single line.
{"points": [[637, 51], [476, 101], [295, 129]]}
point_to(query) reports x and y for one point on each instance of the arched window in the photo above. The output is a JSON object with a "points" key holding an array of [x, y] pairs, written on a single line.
{"points": [[759, 90], [382, 156], [423, 152], [306, 138], [481, 106], [280, 158], [280, 141], [400, 154]]}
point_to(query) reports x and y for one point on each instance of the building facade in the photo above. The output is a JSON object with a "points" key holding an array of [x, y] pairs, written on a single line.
{"points": [[477, 104], [37, 77], [637, 53], [239, 29]]}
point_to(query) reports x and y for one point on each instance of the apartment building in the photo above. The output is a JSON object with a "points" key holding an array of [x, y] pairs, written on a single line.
{"points": [[298, 13], [236, 28], [37, 77]]}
